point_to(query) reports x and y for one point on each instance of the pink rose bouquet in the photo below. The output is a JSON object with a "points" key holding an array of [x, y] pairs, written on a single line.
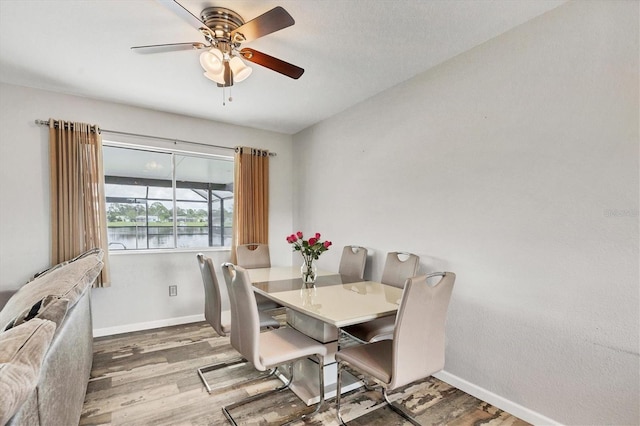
{"points": [[310, 250]]}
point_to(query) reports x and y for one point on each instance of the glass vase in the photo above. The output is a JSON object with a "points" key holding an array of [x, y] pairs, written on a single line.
{"points": [[309, 272]]}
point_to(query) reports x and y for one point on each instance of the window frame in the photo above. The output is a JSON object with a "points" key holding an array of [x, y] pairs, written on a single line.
{"points": [[209, 187]]}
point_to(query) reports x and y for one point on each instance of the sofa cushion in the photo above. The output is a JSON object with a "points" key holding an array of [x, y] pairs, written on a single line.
{"points": [[68, 281], [48, 270], [22, 350], [98, 252], [52, 308]]}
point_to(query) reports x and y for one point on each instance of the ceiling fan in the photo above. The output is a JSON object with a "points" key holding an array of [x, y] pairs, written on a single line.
{"points": [[224, 31]]}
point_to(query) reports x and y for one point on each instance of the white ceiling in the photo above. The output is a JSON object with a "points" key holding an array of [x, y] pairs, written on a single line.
{"points": [[350, 50]]}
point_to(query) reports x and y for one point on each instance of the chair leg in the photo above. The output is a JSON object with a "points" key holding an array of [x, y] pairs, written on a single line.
{"points": [[218, 366], [398, 409], [321, 389], [338, 393], [391, 405], [226, 409], [213, 367], [321, 384], [354, 338]]}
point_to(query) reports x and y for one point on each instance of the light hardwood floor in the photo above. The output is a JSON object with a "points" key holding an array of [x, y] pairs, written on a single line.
{"points": [[149, 378]]}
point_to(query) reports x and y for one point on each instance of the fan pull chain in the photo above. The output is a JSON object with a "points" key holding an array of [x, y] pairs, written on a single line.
{"points": [[224, 96], [231, 82], [224, 86]]}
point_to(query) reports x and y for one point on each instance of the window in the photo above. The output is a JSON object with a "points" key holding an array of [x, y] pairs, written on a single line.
{"points": [[164, 199]]}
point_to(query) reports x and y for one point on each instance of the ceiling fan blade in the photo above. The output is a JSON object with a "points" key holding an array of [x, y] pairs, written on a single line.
{"points": [[272, 63], [170, 47], [183, 13], [267, 23]]}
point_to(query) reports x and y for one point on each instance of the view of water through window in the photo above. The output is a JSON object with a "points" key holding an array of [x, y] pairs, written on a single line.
{"points": [[137, 237]]}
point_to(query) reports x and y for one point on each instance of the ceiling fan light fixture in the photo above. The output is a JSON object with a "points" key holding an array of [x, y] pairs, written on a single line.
{"points": [[211, 61], [225, 31], [217, 77], [240, 70]]}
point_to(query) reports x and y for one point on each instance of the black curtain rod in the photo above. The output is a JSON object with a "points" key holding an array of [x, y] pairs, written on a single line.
{"points": [[175, 141]]}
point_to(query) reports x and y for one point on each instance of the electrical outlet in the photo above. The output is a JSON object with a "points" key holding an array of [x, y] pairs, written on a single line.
{"points": [[173, 290]]}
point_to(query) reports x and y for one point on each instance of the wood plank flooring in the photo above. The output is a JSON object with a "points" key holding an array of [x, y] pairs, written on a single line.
{"points": [[149, 378]]}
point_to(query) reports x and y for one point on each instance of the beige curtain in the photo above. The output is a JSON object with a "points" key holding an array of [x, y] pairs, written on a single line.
{"points": [[251, 198], [78, 214]]}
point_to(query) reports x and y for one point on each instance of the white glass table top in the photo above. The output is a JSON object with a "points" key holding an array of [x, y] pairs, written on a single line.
{"points": [[335, 299]]}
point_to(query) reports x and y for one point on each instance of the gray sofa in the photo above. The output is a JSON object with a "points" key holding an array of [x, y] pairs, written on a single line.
{"points": [[46, 345]]}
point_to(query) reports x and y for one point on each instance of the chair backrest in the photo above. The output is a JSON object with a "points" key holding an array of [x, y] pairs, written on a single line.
{"points": [[253, 255], [353, 261], [213, 296], [396, 271], [419, 334], [245, 320]]}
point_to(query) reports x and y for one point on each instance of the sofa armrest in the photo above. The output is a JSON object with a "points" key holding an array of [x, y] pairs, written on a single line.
{"points": [[65, 372]]}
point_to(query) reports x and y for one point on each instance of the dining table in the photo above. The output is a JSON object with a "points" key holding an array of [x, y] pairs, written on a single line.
{"points": [[319, 310]]}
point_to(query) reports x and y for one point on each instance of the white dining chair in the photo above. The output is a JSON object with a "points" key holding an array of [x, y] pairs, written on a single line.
{"points": [[217, 313], [254, 256], [417, 348], [269, 349], [396, 271], [353, 261]]}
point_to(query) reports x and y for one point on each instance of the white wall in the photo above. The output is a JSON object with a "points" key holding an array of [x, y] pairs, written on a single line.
{"points": [[514, 165], [138, 296]]}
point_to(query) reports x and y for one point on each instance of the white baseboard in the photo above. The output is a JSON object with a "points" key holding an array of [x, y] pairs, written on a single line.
{"points": [[502, 403], [109, 331]]}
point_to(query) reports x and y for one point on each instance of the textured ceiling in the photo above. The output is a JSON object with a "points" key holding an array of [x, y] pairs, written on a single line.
{"points": [[350, 51]]}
